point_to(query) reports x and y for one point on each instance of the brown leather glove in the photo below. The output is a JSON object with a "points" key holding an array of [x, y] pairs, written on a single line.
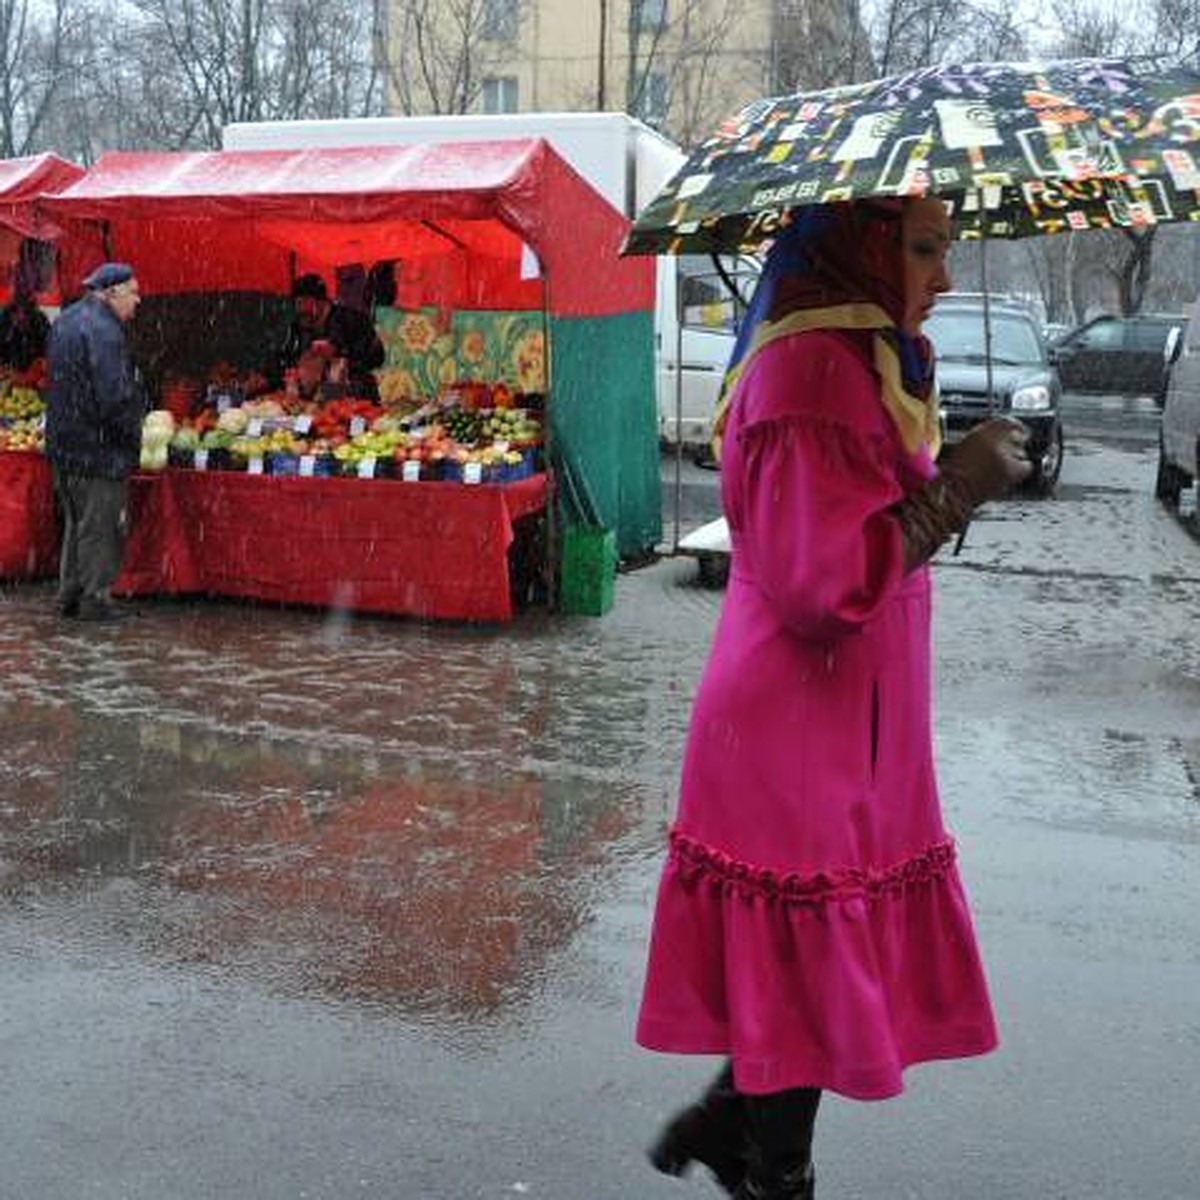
{"points": [[986, 464], [991, 459]]}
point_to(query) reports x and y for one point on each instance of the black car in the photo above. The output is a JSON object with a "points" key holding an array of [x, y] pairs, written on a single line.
{"points": [[1124, 356], [1024, 383]]}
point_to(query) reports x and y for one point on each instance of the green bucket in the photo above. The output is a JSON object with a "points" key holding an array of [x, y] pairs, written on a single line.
{"points": [[588, 570]]}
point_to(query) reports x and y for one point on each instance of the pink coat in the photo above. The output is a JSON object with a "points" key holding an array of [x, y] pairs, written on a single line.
{"points": [[810, 921]]}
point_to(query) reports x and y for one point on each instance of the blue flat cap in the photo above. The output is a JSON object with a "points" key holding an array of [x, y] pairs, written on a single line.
{"points": [[108, 275]]}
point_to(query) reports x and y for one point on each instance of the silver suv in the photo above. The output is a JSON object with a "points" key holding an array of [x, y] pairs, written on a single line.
{"points": [[1179, 433]]}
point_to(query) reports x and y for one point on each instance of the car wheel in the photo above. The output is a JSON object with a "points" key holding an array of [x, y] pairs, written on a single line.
{"points": [[1048, 468], [714, 570], [1169, 481]]}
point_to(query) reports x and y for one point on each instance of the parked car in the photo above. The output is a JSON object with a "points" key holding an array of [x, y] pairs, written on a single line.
{"points": [[1179, 432], [1054, 332], [1120, 355], [1024, 382]]}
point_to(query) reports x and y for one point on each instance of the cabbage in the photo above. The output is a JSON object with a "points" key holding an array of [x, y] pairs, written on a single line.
{"points": [[233, 420], [154, 456], [158, 427]]}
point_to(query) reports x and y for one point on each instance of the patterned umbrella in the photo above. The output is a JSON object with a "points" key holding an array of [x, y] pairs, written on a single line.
{"points": [[1016, 149]]}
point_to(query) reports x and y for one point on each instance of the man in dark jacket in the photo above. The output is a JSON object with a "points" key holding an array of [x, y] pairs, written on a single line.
{"points": [[350, 335], [94, 410]]}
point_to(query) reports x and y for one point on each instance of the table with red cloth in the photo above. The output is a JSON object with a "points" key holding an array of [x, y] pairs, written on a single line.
{"points": [[28, 530], [423, 549]]}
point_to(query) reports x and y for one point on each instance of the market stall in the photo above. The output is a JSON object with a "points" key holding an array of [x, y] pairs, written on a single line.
{"points": [[511, 315], [28, 536]]}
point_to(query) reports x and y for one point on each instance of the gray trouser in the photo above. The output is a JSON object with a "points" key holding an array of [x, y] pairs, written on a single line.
{"points": [[93, 541]]}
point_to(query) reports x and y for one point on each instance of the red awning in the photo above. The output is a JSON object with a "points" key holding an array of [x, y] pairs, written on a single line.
{"points": [[24, 180], [210, 221]]}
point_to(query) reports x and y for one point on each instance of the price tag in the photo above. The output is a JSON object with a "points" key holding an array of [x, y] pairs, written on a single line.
{"points": [[308, 465], [501, 445], [366, 467], [411, 471], [254, 466], [357, 425], [472, 472], [224, 403], [302, 423], [254, 427], [200, 460]]}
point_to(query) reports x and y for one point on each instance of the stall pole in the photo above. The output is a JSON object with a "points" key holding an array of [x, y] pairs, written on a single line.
{"points": [[678, 408], [553, 558], [987, 338]]}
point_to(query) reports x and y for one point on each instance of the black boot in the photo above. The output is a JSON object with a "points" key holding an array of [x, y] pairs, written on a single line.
{"points": [[712, 1131], [780, 1152]]}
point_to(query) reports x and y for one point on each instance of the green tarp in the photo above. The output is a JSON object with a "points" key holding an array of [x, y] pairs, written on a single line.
{"points": [[603, 425]]}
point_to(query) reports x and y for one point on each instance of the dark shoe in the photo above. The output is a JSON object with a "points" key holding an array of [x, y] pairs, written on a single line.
{"points": [[102, 611], [798, 1185], [68, 609], [712, 1131], [780, 1145]]}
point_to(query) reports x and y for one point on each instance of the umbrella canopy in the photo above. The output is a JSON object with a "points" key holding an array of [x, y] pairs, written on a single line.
{"points": [[1016, 149]]}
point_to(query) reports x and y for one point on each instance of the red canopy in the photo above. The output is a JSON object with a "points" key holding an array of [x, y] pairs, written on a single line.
{"points": [[249, 219], [22, 181]]}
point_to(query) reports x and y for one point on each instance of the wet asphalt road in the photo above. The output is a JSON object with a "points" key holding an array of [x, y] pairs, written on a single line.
{"points": [[306, 907]]}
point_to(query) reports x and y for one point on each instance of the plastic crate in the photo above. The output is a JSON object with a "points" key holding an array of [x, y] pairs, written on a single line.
{"points": [[587, 570]]}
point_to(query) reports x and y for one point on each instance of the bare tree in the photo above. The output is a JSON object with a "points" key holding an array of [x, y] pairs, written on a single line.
{"points": [[33, 68], [672, 55], [817, 45], [695, 78], [437, 53], [908, 34], [172, 73]]}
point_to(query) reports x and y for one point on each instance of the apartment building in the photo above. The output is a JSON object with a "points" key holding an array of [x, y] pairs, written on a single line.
{"points": [[680, 65]]}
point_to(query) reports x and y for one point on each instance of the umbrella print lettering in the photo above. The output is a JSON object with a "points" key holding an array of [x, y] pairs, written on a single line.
{"points": [[967, 124], [867, 137], [1182, 169], [693, 186], [1180, 119]]}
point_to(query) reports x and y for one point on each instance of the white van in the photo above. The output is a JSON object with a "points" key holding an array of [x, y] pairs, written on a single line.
{"points": [[697, 307], [628, 163]]}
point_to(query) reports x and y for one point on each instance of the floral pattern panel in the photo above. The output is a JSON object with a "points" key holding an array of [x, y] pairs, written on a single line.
{"points": [[423, 354], [501, 347], [420, 353]]}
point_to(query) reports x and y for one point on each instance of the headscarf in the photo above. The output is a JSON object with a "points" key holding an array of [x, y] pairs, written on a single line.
{"points": [[841, 266]]}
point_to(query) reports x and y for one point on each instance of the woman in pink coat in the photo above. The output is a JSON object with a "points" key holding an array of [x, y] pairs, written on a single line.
{"points": [[810, 922]]}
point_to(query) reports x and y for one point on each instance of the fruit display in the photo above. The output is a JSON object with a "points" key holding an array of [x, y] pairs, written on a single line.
{"points": [[24, 435], [21, 403], [440, 440], [22, 411]]}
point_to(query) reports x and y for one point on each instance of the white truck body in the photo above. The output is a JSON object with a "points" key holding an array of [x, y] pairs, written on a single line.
{"points": [[628, 163]]}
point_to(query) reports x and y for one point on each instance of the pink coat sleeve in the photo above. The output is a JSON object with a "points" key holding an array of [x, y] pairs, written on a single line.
{"points": [[813, 477]]}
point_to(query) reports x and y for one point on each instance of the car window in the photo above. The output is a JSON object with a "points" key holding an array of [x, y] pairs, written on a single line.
{"points": [[1103, 335], [959, 334], [707, 303], [1148, 335]]}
